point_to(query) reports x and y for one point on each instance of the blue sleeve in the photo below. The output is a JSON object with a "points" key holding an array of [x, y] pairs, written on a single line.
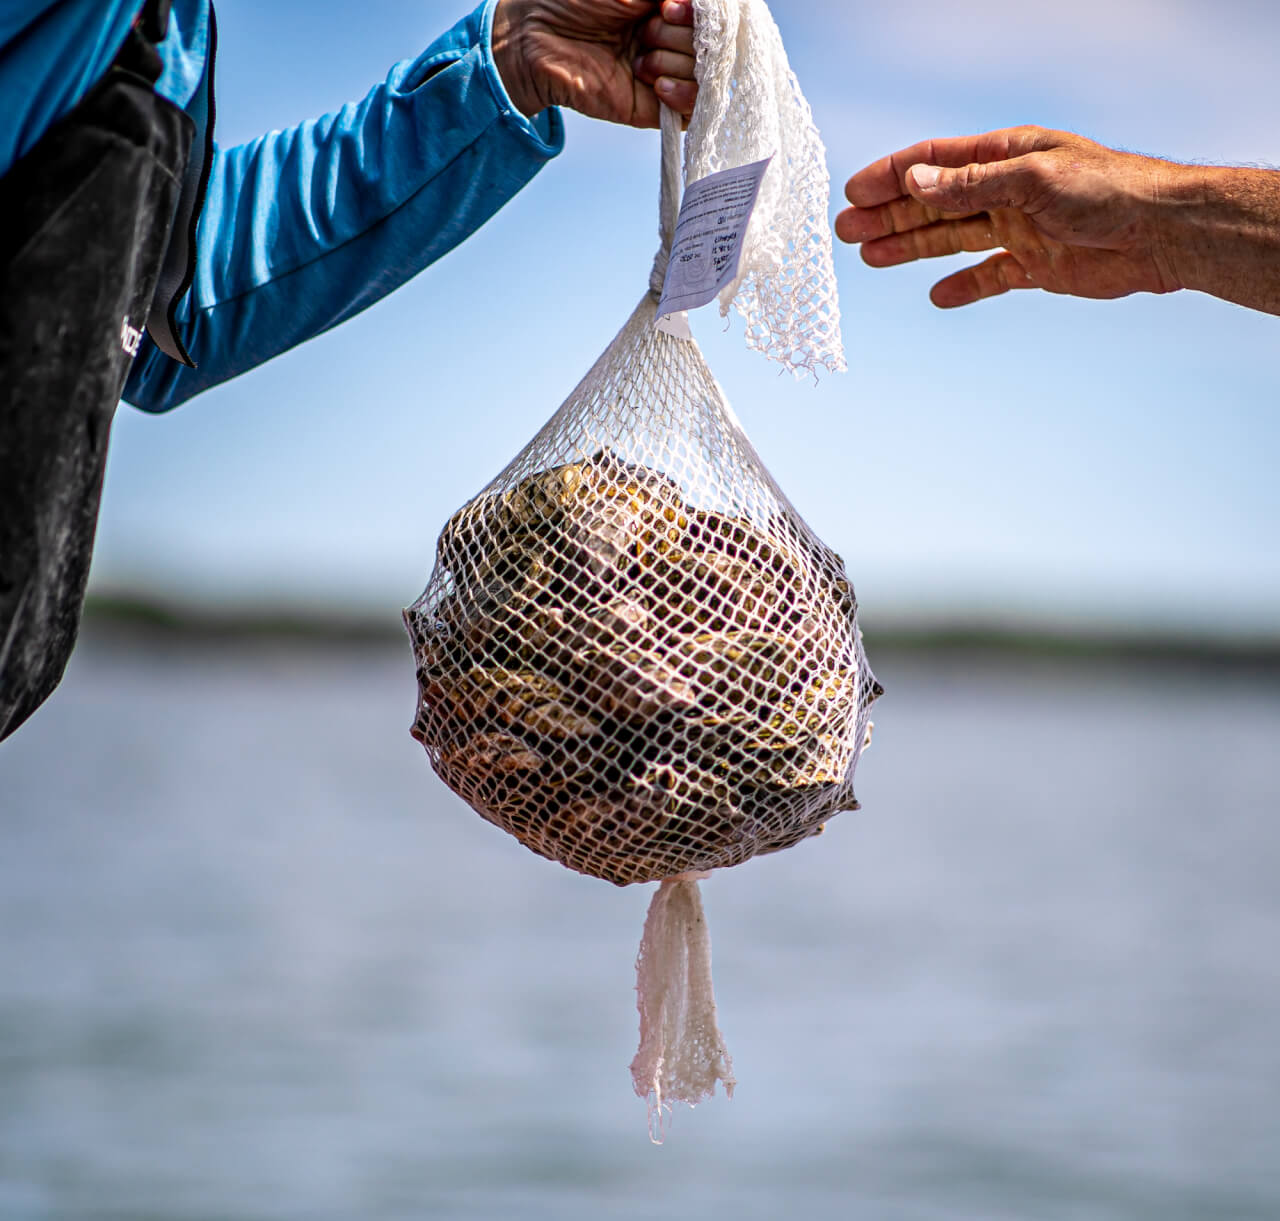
{"points": [[51, 53], [301, 229]]}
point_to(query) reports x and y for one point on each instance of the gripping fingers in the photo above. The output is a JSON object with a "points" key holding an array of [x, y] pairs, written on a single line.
{"points": [[990, 278], [680, 95], [666, 62], [661, 35], [654, 64]]}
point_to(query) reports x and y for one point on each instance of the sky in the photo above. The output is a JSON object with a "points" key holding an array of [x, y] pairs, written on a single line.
{"points": [[1029, 457]]}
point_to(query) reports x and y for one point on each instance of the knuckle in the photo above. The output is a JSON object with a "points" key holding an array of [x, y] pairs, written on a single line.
{"points": [[1039, 168], [970, 176], [897, 217]]}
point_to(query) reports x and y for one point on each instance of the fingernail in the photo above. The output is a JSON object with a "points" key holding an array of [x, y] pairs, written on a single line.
{"points": [[665, 86], [925, 176]]}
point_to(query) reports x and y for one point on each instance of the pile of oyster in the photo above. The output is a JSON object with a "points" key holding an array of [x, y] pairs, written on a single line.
{"points": [[633, 686]]}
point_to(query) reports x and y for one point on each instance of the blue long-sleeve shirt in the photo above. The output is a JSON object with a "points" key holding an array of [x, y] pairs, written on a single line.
{"points": [[302, 228]]}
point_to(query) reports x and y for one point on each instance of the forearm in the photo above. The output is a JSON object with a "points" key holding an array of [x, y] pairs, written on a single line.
{"points": [[304, 228], [1220, 231]]}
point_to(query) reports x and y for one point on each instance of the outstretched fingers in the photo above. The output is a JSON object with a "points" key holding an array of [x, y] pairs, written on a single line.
{"points": [[855, 225], [991, 278], [885, 179], [978, 186], [931, 242], [900, 200]]}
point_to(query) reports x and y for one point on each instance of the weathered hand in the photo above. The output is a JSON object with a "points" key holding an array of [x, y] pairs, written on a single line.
{"points": [[608, 59], [1063, 213]]}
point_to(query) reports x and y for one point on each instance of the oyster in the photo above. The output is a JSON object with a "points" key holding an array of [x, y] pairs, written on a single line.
{"points": [[634, 686], [630, 684]]}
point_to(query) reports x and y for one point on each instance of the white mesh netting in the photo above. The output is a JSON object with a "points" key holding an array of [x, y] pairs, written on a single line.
{"points": [[750, 107], [681, 1046], [633, 655]]}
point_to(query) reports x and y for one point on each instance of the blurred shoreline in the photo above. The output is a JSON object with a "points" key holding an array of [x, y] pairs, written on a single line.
{"points": [[258, 952], [137, 615]]}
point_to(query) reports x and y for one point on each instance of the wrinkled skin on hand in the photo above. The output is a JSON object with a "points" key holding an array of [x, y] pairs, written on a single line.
{"points": [[1063, 214], [616, 60]]}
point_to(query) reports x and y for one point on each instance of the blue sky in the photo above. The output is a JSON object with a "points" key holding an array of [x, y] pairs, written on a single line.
{"points": [[1027, 456]]}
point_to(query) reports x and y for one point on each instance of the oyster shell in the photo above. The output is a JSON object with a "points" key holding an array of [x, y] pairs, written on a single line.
{"points": [[634, 686]]}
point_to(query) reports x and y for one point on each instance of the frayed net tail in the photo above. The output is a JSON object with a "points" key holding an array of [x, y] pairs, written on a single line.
{"points": [[682, 1052]]}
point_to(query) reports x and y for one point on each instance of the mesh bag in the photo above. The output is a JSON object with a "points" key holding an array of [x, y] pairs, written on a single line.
{"points": [[633, 655]]}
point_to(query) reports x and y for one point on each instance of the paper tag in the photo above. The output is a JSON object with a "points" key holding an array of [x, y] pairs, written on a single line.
{"points": [[675, 325], [713, 222]]}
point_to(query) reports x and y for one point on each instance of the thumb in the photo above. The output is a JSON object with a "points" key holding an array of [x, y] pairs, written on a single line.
{"points": [[973, 188]]}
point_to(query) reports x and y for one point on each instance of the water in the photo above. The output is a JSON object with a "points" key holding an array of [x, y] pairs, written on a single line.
{"points": [[256, 963]]}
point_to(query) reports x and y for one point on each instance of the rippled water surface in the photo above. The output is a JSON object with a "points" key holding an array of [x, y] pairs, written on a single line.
{"points": [[255, 962]]}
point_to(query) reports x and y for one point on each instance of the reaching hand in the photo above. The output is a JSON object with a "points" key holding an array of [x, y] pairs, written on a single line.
{"points": [[1063, 213], [608, 59]]}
